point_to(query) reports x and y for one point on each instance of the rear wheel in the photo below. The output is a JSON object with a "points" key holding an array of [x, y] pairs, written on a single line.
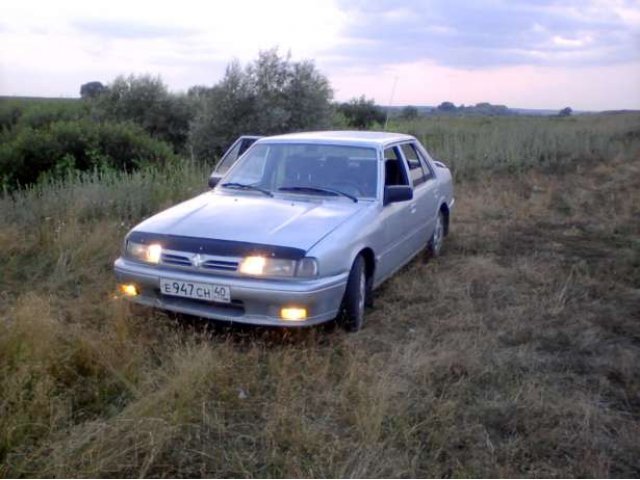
{"points": [[437, 237], [355, 297]]}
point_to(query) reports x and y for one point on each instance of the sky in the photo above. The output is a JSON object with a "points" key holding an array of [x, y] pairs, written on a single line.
{"points": [[521, 53]]}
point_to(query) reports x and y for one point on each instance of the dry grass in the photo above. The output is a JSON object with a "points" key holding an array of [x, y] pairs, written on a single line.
{"points": [[514, 354]]}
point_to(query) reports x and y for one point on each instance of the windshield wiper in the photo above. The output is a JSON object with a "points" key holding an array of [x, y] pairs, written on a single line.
{"points": [[314, 189], [245, 186]]}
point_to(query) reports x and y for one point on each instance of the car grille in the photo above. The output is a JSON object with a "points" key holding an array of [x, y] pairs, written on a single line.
{"points": [[220, 265], [176, 260], [199, 262]]}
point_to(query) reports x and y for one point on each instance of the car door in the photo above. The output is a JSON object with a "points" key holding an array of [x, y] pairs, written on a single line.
{"points": [[425, 195], [396, 218]]}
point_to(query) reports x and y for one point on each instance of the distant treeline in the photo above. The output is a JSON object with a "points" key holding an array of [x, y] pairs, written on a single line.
{"points": [[411, 112]]}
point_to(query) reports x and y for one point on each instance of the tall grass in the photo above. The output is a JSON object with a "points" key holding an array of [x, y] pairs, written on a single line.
{"points": [[514, 354], [471, 145], [97, 194], [62, 356]]}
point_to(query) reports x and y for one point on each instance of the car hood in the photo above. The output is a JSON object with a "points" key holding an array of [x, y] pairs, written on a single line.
{"points": [[286, 221]]}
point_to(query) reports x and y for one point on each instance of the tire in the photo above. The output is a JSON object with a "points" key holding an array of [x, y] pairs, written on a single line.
{"points": [[434, 247], [355, 297]]}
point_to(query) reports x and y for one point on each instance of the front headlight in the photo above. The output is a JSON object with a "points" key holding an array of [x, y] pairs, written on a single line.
{"points": [[144, 253], [260, 266]]}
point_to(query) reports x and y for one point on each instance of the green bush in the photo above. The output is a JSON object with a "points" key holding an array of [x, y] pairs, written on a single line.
{"points": [[146, 101], [362, 113], [10, 113], [77, 145], [18, 112], [42, 114]]}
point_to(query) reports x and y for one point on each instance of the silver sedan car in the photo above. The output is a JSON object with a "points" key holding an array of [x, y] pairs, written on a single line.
{"points": [[299, 231]]}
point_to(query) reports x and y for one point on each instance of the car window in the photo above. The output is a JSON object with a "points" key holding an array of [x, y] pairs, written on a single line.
{"points": [[252, 172], [416, 171], [394, 170], [235, 151], [428, 171], [245, 144], [290, 167]]}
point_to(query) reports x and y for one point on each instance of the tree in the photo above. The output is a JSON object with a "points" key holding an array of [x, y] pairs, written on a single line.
{"points": [[224, 113], [138, 99], [409, 113], [308, 98], [270, 95], [268, 78], [447, 107], [146, 101], [486, 108], [362, 113], [565, 112], [91, 89]]}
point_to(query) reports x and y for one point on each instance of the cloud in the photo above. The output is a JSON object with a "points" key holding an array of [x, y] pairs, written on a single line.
{"points": [[490, 33], [127, 29]]}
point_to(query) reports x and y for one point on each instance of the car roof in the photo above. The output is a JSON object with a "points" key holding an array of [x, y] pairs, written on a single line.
{"points": [[341, 137]]}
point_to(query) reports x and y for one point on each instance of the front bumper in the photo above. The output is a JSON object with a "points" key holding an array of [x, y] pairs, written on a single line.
{"points": [[253, 301]]}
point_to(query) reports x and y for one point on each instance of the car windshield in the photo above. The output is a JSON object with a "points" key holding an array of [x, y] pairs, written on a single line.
{"points": [[328, 170]]}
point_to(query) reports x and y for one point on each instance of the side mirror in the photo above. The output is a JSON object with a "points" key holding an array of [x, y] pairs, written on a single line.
{"points": [[214, 179], [397, 193]]}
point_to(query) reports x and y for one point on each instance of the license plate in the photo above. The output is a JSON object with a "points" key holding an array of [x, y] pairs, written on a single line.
{"points": [[198, 291]]}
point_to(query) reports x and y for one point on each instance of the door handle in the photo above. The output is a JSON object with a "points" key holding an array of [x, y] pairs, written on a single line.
{"points": [[413, 208]]}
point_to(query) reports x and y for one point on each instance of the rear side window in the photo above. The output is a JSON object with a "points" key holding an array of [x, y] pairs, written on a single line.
{"points": [[416, 171], [394, 171], [428, 170]]}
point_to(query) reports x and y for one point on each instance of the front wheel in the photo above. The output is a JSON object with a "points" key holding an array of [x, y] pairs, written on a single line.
{"points": [[437, 238], [355, 296]]}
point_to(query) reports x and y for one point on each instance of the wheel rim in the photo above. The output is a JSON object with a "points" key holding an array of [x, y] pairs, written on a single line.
{"points": [[438, 235], [362, 291]]}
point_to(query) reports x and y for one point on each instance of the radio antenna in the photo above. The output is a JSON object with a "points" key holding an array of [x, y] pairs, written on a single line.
{"points": [[393, 91]]}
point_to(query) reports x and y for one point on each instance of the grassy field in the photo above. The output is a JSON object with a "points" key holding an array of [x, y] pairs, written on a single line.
{"points": [[516, 353], [474, 145]]}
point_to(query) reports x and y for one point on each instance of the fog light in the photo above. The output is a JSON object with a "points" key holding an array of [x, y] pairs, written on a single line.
{"points": [[128, 289], [293, 313]]}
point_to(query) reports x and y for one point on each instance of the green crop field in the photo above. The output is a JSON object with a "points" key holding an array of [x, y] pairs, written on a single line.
{"points": [[513, 354]]}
